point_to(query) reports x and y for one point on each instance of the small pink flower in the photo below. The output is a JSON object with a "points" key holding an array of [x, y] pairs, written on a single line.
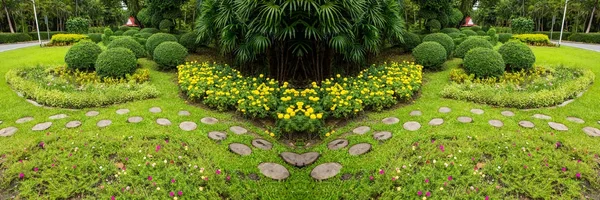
{"points": [[112, 198], [53, 164], [564, 169], [42, 144], [171, 194], [218, 172], [74, 166], [180, 193], [449, 178], [166, 140], [393, 178], [578, 175], [525, 166], [35, 169], [150, 178], [487, 197], [381, 171], [172, 180], [228, 178], [419, 193], [442, 148], [432, 141], [21, 175], [558, 145], [426, 180], [371, 178], [428, 194], [157, 148]]}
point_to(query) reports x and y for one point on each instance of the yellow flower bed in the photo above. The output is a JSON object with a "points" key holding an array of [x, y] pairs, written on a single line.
{"points": [[533, 39], [66, 39]]}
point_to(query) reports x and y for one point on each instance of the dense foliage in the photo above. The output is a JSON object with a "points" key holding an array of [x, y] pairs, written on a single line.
{"points": [[66, 39], [78, 25], [584, 37], [469, 44], [14, 37], [116, 63], [504, 37], [168, 55], [430, 55], [442, 39], [95, 37], [129, 43], [484, 63], [156, 39], [82, 56], [533, 39], [522, 25], [411, 40], [188, 40], [517, 56]]}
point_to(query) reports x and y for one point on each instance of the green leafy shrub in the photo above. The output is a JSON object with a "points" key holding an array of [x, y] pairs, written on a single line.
{"points": [[469, 32], [517, 56], [14, 37], [455, 17], [143, 35], [585, 37], [96, 29], [433, 25], [150, 30], [66, 39], [481, 33], [458, 41], [77, 25], [130, 33], [129, 43], [45, 35], [469, 44], [411, 40], [188, 40], [116, 63], [124, 28], [169, 54], [154, 40], [106, 36], [145, 17], [483, 63], [522, 25], [493, 37], [504, 37], [457, 35], [476, 28], [449, 30], [555, 35], [166, 25], [142, 41], [533, 39], [119, 33], [431, 55], [82, 56], [503, 29], [442, 39], [95, 37]]}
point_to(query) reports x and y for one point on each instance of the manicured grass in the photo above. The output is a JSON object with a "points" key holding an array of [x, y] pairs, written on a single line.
{"points": [[516, 162]]}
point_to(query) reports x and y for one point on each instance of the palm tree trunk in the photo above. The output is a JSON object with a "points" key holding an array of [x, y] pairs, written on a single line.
{"points": [[591, 17], [12, 30]]}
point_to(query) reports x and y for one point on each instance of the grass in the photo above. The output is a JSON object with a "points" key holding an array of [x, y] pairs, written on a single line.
{"points": [[515, 163]]}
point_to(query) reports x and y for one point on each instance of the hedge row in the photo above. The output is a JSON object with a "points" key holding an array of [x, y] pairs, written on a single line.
{"points": [[555, 34], [585, 37], [14, 37]]}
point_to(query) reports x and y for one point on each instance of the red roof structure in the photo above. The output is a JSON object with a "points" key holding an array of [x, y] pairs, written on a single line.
{"points": [[469, 22], [131, 22]]}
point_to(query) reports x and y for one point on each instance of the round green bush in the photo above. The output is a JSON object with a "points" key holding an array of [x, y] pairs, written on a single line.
{"points": [[504, 37], [469, 44], [457, 35], [458, 41], [118, 33], [188, 40], [443, 39], [484, 63], [124, 28], [475, 28], [517, 56], [481, 33], [154, 40], [493, 37], [82, 55], [431, 55], [95, 37], [130, 32], [169, 54], [116, 63], [449, 30], [411, 40], [166, 25], [149, 30], [129, 43], [143, 35], [469, 32], [433, 25], [106, 36]]}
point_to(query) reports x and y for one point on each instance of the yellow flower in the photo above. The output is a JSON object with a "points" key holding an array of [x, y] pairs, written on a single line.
{"points": [[327, 134], [272, 134], [286, 116], [279, 115], [299, 104], [319, 115], [313, 116]]}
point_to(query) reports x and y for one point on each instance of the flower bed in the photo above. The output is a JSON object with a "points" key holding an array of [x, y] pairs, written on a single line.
{"points": [[300, 110], [534, 39]]}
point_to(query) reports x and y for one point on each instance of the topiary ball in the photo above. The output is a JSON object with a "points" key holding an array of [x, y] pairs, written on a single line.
{"points": [[188, 40], [411, 40], [130, 32], [443, 39], [504, 37], [481, 33], [469, 44], [95, 37], [169, 54], [517, 56], [166, 25], [484, 63], [149, 30], [433, 25], [118, 33], [469, 32], [456, 35], [449, 30], [129, 43], [143, 35], [431, 55], [154, 40], [116, 63], [82, 55]]}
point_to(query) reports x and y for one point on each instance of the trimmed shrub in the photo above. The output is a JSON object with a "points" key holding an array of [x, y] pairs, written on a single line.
{"points": [[411, 40], [106, 37], [481, 33], [119, 33], [504, 37], [97, 29], [493, 37], [130, 32], [77, 25], [154, 40], [533, 39], [486, 38], [503, 29], [475, 28], [431, 55], [585, 37], [522, 25], [95, 37], [455, 17], [469, 32], [66, 39], [169, 54], [188, 40], [116, 63], [144, 17], [124, 28], [457, 35], [82, 55], [458, 41], [149, 30], [555, 35], [129, 43], [469, 44], [449, 30], [44, 35], [433, 25], [14, 37], [484, 63], [143, 35], [443, 39], [142, 41], [166, 25], [517, 56]]}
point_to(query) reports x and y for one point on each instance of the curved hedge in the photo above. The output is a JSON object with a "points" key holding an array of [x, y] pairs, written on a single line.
{"points": [[469, 32], [149, 30], [457, 35], [116, 63], [504, 37], [82, 55], [433, 25], [411, 40], [584, 37], [154, 40], [14, 37], [469, 44], [169, 54], [95, 37], [166, 25], [449, 30], [442, 39], [188, 40], [129, 43], [431, 55], [517, 56], [483, 63], [130, 32]]}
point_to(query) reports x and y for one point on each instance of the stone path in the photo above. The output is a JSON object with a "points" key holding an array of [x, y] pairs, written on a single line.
{"points": [[526, 124], [8, 131], [361, 130], [24, 120], [436, 122], [188, 126], [163, 121], [444, 110], [155, 110], [92, 113], [390, 120], [558, 126], [496, 123], [508, 113], [217, 135], [103, 123], [209, 120], [411, 126], [541, 116], [238, 130], [575, 120], [122, 111], [415, 113], [274, 171], [184, 113], [300, 160], [337, 144], [383, 135], [240, 149], [262, 144], [135, 119], [591, 131], [464, 119], [325, 171], [59, 116], [73, 124], [359, 149], [477, 111]]}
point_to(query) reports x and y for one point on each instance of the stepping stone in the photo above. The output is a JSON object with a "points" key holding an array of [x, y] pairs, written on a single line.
{"points": [[591, 131], [436, 122], [238, 130], [240, 149], [73, 124], [361, 130], [526, 124], [24, 120], [184, 113], [540, 116], [359, 149], [566, 103], [92, 113], [188, 126], [217, 135], [155, 110], [135, 120], [383, 135], [41, 126], [558, 126], [444, 110], [496, 123], [300, 160], [32, 102], [59, 116], [477, 111], [8, 131], [262, 144], [465, 119], [122, 111], [575, 120], [412, 126], [325, 171], [274, 171], [337, 144], [163, 122], [103, 123], [209, 120], [508, 113], [415, 113], [390, 120]]}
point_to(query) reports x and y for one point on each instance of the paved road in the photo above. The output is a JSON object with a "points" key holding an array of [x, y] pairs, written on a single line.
{"points": [[592, 47], [8, 47]]}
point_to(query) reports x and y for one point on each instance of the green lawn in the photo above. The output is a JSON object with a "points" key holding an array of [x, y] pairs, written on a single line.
{"points": [[516, 163]]}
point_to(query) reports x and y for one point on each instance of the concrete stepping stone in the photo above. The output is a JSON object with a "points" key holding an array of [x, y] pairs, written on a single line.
{"points": [[122, 111], [73, 124], [390, 120], [496, 123], [415, 113], [436, 122], [591, 131], [184, 113], [566, 103], [444, 110], [92, 113], [209, 120], [34, 103], [361, 130], [337, 144], [217, 135], [59, 116], [41, 126], [325, 171], [188, 126], [274, 171], [238, 130], [359, 149], [8, 131], [262, 144], [135, 120], [300, 160], [163, 121], [558, 126], [383, 135], [155, 110], [540, 116], [103, 123], [24, 120], [240, 149], [465, 119], [507, 113], [477, 111], [412, 126], [526, 124], [575, 120]]}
